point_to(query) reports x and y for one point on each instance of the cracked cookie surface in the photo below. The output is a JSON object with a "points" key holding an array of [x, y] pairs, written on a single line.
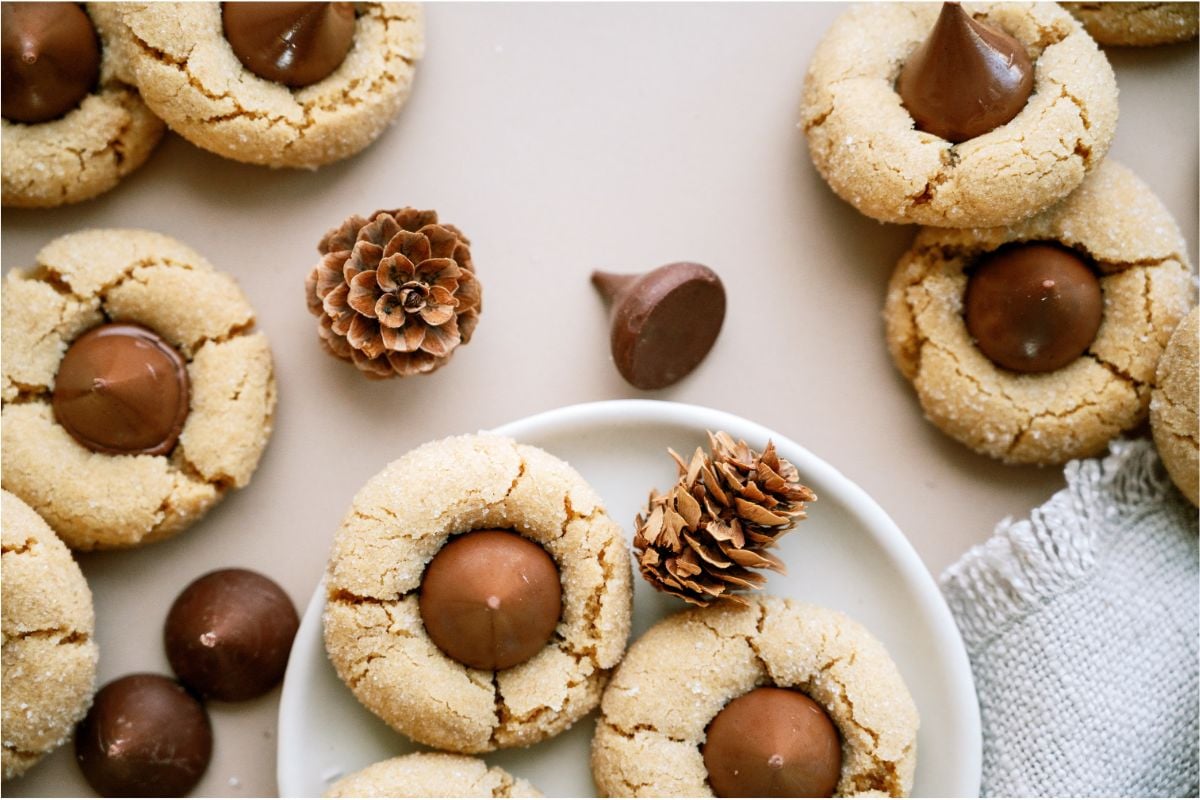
{"points": [[90, 149], [1047, 418], [49, 656], [685, 669], [432, 775], [1174, 405], [399, 520], [1140, 24], [95, 500], [863, 142], [189, 75]]}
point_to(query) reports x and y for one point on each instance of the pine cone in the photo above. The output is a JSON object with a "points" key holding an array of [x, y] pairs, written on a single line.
{"points": [[702, 540], [395, 293]]}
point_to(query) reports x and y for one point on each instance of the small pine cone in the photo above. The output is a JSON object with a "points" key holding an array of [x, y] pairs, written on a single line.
{"points": [[704, 539], [395, 293]]}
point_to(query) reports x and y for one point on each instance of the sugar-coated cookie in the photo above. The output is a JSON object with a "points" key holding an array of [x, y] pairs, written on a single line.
{"points": [[659, 706], [375, 583], [1135, 249], [431, 775], [190, 75], [90, 148], [1174, 406], [864, 142], [101, 493], [49, 654], [1138, 23]]}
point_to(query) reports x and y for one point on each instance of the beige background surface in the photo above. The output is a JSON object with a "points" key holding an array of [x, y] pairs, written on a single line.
{"points": [[562, 138]]}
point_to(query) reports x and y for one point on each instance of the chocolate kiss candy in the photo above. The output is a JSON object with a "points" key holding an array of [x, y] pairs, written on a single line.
{"points": [[295, 44], [491, 599], [1033, 307], [664, 321], [51, 59], [229, 633], [773, 743], [966, 79], [122, 389], [144, 736]]}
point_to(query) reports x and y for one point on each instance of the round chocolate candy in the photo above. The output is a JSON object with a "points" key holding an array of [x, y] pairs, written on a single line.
{"points": [[1033, 307], [772, 743], [664, 321], [966, 79], [229, 633], [491, 599], [51, 59], [122, 389], [296, 44], [144, 736]]}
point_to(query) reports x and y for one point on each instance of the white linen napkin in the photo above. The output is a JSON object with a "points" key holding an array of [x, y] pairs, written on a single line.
{"points": [[1083, 628]]}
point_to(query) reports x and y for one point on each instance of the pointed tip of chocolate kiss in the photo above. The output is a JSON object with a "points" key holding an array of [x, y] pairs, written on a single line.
{"points": [[966, 78]]}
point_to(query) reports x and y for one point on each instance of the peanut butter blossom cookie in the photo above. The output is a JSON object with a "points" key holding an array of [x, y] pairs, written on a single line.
{"points": [[278, 84], [1138, 23], [1038, 343], [477, 595], [395, 294], [49, 654], [1175, 404], [770, 699], [965, 116], [73, 123], [135, 393], [431, 775]]}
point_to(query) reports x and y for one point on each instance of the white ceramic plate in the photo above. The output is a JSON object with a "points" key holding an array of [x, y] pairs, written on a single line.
{"points": [[847, 555]]}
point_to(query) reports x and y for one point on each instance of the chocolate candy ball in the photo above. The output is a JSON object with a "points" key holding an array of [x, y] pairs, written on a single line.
{"points": [[491, 599], [144, 736], [295, 44], [1033, 307], [122, 389], [664, 322], [51, 59], [966, 79], [229, 633], [773, 743]]}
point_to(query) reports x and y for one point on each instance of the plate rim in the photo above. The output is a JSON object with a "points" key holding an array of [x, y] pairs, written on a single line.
{"points": [[856, 501]]}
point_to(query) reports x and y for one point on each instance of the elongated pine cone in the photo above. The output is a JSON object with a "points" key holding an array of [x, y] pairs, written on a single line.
{"points": [[703, 540], [395, 293]]}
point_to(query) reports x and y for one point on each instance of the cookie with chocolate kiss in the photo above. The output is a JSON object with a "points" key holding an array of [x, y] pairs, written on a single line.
{"points": [[1037, 343], [284, 84], [477, 595], [72, 126], [776, 698], [135, 390], [957, 116]]}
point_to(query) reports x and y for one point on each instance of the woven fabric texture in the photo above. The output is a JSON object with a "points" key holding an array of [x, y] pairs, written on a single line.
{"points": [[1083, 628]]}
